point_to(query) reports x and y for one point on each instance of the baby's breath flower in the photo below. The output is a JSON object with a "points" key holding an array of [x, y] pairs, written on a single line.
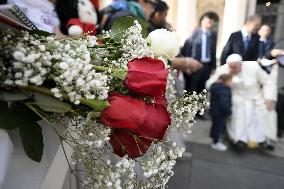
{"points": [[184, 109], [133, 46]]}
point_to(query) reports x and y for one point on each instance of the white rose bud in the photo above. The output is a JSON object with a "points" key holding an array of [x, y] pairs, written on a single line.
{"points": [[164, 43]]}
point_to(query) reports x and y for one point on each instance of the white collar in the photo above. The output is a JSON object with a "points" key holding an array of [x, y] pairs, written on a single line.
{"points": [[205, 31], [263, 39], [245, 33]]}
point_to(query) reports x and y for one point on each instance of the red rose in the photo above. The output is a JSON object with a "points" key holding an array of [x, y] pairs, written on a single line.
{"points": [[124, 142], [148, 121], [124, 112], [147, 76], [155, 123]]}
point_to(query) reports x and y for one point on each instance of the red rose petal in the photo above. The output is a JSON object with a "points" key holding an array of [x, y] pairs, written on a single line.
{"points": [[136, 124], [147, 76], [146, 120], [124, 112], [125, 143], [156, 124]]}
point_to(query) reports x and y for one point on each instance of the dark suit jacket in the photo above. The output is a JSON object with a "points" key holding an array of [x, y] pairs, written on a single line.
{"points": [[235, 45], [193, 47], [264, 47], [220, 100]]}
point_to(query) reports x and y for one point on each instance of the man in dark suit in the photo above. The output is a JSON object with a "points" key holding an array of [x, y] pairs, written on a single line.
{"points": [[266, 44], [202, 47], [244, 42]]}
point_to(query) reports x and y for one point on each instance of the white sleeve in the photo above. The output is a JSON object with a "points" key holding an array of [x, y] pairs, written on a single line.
{"points": [[269, 84], [219, 71]]}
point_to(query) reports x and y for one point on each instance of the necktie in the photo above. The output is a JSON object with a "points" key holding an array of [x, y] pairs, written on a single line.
{"points": [[208, 45], [261, 49], [246, 43]]}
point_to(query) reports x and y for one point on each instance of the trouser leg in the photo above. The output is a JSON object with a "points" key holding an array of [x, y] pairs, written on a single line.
{"points": [[217, 128]]}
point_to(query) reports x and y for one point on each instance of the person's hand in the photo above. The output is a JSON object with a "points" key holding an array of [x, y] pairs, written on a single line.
{"points": [[192, 65], [277, 52], [188, 65], [270, 105]]}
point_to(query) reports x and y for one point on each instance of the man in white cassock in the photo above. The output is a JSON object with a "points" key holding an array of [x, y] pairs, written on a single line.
{"points": [[254, 94]]}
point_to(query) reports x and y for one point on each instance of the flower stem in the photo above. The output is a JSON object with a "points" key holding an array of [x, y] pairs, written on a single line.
{"points": [[118, 73], [101, 68], [40, 90], [97, 105]]}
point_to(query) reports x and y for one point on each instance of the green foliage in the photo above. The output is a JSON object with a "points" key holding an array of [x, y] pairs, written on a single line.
{"points": [[51, 104], [40, 33], [9, 119], [121, 24], [93, 115], [120, 73], [18, 115], [32, 139], [118, 86], [13, 96], [96, 105]]}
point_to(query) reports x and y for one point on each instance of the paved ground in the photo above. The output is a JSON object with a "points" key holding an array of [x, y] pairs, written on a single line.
{"points": [[208, 169]]}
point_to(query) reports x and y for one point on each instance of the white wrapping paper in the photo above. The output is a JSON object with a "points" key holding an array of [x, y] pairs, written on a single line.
{"points": [[6, 150]]}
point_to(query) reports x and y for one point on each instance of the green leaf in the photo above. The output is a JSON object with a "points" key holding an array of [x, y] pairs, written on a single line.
{"points": [[13, 96], [32, 139], [50, 104], [93, 115], [121, 24], [96, 105], [18, 115], [8, 119], [15, 115], [41, 33], [120, 73]]}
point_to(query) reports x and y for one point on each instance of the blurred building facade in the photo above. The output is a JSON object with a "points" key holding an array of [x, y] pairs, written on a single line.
{"points": [[104, 3], [184, 15]]}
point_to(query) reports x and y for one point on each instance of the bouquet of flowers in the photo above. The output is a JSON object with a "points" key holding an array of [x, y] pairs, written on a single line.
{"points": [[116, 92]]}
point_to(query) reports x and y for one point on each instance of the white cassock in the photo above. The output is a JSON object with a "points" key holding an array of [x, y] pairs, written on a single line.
{"points": [[251, 121]]}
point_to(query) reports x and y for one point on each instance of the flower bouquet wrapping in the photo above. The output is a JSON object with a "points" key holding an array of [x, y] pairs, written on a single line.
{"points": [[116, 92]]}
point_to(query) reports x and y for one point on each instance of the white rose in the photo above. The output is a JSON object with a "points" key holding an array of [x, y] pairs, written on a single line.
{"points": [[164, 43]]}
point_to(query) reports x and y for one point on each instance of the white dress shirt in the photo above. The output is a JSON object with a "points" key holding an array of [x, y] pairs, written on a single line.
{"points": [[204, 58], [245, 34]]}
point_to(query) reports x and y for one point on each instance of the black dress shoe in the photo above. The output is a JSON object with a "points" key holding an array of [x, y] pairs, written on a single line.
{"points": [[201, 117], [266, 146], [280, 133], [240, 146]]}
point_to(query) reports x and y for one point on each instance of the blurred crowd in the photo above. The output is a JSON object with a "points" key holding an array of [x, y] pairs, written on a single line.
{"points": [[243, 89]]}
